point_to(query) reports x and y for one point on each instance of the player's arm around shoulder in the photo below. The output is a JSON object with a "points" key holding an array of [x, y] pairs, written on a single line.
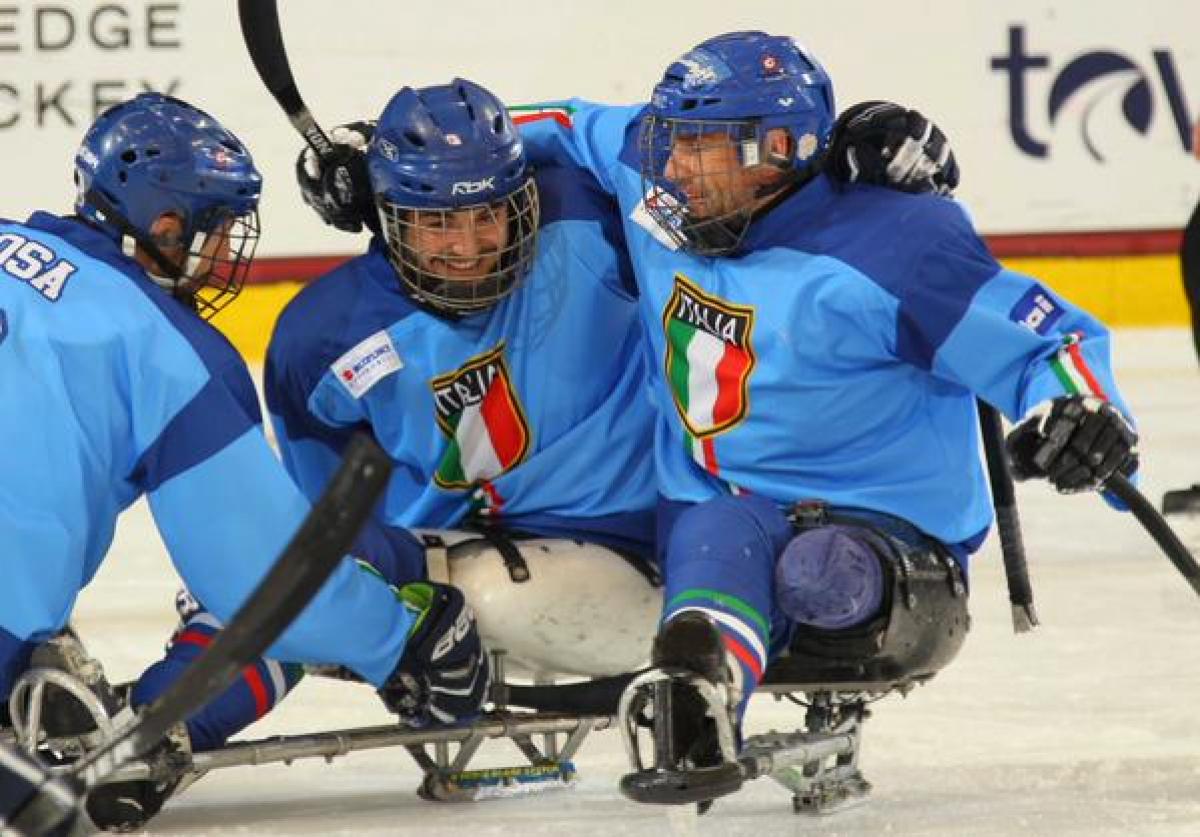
{"points": [[576, 132], [581, 225]]}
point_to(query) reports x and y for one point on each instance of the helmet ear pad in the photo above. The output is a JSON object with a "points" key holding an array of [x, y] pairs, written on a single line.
{"points": [[779, 149], [167, 232]]}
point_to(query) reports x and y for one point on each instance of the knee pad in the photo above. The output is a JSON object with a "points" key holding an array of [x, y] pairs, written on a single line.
{"points": [[920, 625], [573, 608], [830, 577]]}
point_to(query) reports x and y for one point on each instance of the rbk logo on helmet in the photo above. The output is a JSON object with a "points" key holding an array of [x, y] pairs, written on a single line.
{"points": [[473, 187]]}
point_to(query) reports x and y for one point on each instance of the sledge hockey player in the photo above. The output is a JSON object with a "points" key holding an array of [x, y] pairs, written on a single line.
{"points": [[489, 338], [113, 386], [816, 350]]}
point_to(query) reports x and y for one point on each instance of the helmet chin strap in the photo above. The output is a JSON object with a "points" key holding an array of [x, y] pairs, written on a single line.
{"points": [[132, 238]]}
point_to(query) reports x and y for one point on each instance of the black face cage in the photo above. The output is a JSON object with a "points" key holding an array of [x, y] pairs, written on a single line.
{"points": [[707, 231], [218, 262], [461, 295]]}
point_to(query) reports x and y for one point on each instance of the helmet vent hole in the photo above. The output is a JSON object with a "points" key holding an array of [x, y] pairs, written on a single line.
{"points": [[415, 139], [129, 156], [152, 152], [498, 124], [232, 146], [122, 176]]}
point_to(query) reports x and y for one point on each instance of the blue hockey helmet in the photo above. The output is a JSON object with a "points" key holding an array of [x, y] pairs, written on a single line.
{"points": [[739, 87], [155, 155], [456, 199]]}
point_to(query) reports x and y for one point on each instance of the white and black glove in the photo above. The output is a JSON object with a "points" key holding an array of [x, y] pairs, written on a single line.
{"points": [[444, 674], [885, 144], [338, 188], [1076, 441]]}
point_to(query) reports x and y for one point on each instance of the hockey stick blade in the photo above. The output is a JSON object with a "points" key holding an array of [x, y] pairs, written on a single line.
{"points": [[1158, 528], [264, 41], [1008, 521], [299, 572]]}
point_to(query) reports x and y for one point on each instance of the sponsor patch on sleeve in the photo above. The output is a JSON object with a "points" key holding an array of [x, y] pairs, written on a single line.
{"points": [[1036, 310], [366, 364]]}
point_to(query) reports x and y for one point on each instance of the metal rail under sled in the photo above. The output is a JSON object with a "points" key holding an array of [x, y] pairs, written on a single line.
{"points": [[818, 762], [443, 753]]}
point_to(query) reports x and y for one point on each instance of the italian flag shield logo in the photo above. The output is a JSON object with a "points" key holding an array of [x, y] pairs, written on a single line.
{"points": [[478, 410], [709, 358]]}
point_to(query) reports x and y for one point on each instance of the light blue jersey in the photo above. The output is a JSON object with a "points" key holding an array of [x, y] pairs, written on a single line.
{"points": [[532, 414], [110, 389], [840, 355]]}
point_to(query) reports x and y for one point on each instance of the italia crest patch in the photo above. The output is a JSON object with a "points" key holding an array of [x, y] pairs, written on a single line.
{"points": [[478, 410], [709, 358]]}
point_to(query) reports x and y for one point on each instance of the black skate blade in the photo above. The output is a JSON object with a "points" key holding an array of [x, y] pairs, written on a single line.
{"points": [[682, 787], [1183, 501]]}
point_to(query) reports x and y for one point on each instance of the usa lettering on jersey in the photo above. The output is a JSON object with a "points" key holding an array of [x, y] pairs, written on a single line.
{"points": [[478, 410], [35, 264], [709, 358]]}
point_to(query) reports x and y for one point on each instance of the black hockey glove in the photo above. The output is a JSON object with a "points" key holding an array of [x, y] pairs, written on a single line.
{"points": [[884, 144], [1077, 444], [339, 189], [444, 674]]}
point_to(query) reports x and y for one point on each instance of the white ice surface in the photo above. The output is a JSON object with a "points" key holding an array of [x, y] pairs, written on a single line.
{"points": [[1088, 726]]}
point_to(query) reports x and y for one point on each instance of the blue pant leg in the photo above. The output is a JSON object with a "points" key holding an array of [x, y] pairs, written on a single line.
{"points": [[720, 559], [14, 659], [256, 692]]}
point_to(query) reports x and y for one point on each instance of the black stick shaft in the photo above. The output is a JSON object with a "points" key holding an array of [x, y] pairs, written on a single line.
{"points": [[264, 41], [1158, 528], [299, 572], [1008, 520]]}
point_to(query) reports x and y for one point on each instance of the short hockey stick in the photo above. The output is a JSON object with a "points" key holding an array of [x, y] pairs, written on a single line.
{"points": [[1008, 521], [264, 42], [299, 572], [1158, 528]]}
